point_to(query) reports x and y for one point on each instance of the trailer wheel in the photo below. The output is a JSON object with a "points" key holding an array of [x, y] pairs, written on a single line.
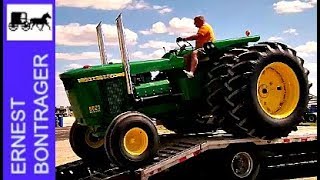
{"points": [[132, 140], [311, 118], [242, 165], [266, 93], [84, 144]]}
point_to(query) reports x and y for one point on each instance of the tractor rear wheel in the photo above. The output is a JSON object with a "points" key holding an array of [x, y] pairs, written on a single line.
{"points": [[84, 144], [216, 78], [210, 115], [266, 92], [131, 140]]}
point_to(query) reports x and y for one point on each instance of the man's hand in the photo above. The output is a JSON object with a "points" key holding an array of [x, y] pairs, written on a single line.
{"points": [[180, 39]]}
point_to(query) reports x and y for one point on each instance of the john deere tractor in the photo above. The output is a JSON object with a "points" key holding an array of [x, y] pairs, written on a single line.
{"points": [[259, 90]]}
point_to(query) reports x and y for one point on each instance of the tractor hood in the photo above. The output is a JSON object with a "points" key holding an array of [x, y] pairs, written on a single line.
{"points": [[168, 61], [221, 44], [137, 67]]}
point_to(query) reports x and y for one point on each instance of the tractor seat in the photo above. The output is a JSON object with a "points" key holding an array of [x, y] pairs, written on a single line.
{"points": [[202, 56]]}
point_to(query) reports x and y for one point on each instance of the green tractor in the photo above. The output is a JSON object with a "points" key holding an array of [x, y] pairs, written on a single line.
{"points": [[258, 90]]}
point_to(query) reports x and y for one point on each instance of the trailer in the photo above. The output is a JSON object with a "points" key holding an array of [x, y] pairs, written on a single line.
{"points": [[239, 158]]}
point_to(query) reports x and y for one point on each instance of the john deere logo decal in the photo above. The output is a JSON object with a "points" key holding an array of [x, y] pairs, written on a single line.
{"points": [[28, 22], [20, 19]]}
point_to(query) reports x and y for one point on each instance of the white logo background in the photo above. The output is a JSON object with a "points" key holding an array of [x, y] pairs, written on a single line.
{"points": [[33, 11]]}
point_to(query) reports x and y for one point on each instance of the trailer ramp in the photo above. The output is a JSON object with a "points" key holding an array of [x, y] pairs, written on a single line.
{"points": [[177, 148]]}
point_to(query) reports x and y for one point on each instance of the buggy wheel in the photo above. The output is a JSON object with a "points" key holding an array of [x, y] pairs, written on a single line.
{"points": [[26, 26], [13, 27]]}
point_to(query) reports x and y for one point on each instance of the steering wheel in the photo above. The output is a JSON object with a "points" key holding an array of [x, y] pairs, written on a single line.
{"points": [[186, 44]]}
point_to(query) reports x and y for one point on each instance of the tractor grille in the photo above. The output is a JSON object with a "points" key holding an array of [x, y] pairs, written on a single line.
{"points": [[116, 95]]}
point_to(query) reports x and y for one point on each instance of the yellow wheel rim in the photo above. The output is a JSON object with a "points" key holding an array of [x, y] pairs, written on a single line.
{"points": [[278, 90], [135, 141], [91, 141]]}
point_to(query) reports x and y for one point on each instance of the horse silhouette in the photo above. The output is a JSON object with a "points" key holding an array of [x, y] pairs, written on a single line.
{"points": [[40, 21]]}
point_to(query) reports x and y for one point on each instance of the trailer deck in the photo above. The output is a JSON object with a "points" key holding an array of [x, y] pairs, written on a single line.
{"points": [[176, 148]]}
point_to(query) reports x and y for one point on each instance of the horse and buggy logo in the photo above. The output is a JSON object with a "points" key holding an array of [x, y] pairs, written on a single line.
{"points": [[20, 19]]}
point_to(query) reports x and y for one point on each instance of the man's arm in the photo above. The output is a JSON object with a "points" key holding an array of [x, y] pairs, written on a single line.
{"points": [[201, 32], [190, 38], [193, 37]]}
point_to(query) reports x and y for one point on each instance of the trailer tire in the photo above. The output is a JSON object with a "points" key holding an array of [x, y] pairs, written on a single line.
{"points": [[132, 140], [311, 118], [242, 165], [79, 141], [266, 93]]}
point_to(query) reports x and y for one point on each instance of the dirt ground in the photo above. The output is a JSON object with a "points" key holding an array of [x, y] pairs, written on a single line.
{"points": [[64, 153]]}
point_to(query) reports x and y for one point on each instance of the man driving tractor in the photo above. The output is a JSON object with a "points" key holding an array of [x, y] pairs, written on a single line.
{"points": [[205, 34]]}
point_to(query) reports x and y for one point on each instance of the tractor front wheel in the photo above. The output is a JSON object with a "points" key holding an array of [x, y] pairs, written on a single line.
{"points": [[131, 140], [84, 144]]}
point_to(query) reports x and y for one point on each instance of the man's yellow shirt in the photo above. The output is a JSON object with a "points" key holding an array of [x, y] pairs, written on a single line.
{"points": [[206, 34]]}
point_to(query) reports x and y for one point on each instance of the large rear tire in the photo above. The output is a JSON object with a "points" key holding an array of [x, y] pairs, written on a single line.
{"points": [[216, 78], [266, 92]]}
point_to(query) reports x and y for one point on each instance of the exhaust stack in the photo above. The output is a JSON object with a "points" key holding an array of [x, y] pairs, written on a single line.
{"points": [[102, 49], [124, 54]]}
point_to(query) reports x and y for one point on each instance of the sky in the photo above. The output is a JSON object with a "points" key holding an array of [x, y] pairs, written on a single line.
{"points": [[152, 25]]}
